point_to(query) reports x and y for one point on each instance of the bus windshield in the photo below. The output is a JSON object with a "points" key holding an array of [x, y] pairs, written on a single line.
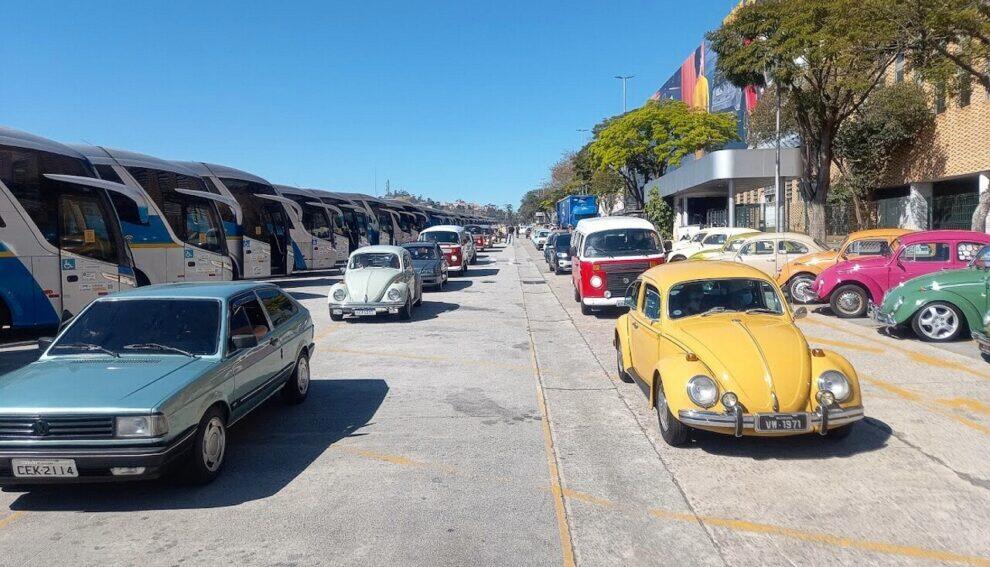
{"points": [[194, 220], [258, 219]]}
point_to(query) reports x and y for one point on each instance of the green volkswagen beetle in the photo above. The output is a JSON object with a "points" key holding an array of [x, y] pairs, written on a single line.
{"points": [[149, 380], [940, 306]]}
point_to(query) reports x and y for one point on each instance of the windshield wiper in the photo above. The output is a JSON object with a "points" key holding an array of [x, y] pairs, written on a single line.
{"points": [[158, 346], [762, 310], [713, 311], [89, 347]]}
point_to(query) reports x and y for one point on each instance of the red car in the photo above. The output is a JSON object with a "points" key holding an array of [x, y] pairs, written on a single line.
{"points": [[608, 254], [851, 286]]}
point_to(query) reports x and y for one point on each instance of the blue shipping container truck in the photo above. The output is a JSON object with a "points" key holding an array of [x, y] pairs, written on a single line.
{"points": [[573, 208]]}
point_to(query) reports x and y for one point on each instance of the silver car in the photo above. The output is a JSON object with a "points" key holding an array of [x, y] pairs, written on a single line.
{"points": [[377, 279]]}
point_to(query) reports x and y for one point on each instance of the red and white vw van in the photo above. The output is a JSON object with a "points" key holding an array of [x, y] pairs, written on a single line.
{"points": [[608, 254], [456, 243]]}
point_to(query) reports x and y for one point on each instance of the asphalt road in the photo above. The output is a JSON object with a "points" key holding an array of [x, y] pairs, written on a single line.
{"points": [[492, 430]]}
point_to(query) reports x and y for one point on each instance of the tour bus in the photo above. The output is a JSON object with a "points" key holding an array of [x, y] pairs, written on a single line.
{"points": [[608, 254], [61, 244], [381, 214], [407, 221], [261, 240], [327, 245], [179, 237], [354, 219]]}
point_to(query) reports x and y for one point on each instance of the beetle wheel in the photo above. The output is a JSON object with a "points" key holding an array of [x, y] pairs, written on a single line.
{"points": [[800, 289], [849, 301], [620, 367], [673, 431]]}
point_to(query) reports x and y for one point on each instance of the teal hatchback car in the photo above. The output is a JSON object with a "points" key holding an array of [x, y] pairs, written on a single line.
{"points": [[148, 381]]}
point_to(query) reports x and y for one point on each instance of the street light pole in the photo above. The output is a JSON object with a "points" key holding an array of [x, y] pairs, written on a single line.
{"points": [[624, 78], [776, 165]]}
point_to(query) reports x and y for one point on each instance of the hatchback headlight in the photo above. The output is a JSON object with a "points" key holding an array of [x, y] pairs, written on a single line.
{"points": [[561, 254], [394, 294], [702, 390], [339, 294], [142, 425], [835, 382]]}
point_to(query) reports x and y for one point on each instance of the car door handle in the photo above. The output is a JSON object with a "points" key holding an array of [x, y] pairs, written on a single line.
{"points": [[274, 341]]}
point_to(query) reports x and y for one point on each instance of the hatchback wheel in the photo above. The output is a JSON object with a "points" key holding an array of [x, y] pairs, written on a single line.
{"points": [[297, 387], [619, 366], [937, 322], [849, 301], [800, 289], [674, 433], [209, 447]]}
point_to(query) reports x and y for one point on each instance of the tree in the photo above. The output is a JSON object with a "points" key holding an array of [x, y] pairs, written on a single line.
{"points": [[944, 37], [639, 146], [889, 120], [825, 56], [660, 213]]}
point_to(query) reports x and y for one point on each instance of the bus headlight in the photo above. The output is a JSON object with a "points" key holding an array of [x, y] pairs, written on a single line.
{"points": [[596, 281]]}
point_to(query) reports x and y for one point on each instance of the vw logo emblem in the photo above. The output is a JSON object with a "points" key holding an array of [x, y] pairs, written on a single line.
{"points": [[40, 428], [625, 280]]}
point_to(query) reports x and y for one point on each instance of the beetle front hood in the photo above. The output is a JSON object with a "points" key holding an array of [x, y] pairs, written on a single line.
{"points": [[96, 382], [369, 284], [753, 355]]}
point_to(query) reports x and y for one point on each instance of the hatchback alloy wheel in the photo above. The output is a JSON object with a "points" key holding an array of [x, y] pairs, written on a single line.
{"points": [[937, 322]]}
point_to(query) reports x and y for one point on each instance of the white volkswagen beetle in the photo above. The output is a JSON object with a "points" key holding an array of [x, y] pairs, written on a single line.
{"points": [[378, 279]]}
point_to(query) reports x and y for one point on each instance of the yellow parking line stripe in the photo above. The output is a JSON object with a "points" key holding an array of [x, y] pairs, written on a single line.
{"points": [[966, 404], [916, 356], [736, 525], [840, 344], [4, 522], [920, 400]]}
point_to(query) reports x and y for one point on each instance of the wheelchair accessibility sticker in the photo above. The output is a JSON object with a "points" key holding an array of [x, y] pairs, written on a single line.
{"points": [[190, 253], [69, 264]]}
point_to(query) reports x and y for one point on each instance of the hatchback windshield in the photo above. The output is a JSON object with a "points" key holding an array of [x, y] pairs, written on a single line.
{"points": [[443, 237], [714, 296], [422, 252], [622, 242], [374, 260], [166, 326]]}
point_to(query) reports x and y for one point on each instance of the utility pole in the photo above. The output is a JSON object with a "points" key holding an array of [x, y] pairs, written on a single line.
{"points": [[624, 78], [776, 169]]}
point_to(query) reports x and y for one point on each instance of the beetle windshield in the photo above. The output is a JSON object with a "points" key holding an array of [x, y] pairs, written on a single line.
{"points": [[730, 294], [441, 236], [160, 325], [622, 242], [423, 252], [374, 260], [982, 258]]}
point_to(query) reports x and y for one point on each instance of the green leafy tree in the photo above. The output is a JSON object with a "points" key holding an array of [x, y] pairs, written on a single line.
{"points": [[826, 56], [947, 41], [660, 213], [640, 145]]}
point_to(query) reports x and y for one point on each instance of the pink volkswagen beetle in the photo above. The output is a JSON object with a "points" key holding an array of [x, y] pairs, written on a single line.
{"points": [[851, 286]]}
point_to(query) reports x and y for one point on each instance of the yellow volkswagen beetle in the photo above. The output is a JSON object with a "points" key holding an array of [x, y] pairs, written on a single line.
{"points": [[714, 346]]}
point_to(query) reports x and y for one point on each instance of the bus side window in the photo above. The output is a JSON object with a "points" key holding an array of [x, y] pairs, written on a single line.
{"points": [[84, 228]]}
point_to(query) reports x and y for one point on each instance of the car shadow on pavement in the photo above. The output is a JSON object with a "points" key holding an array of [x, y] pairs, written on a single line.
{"points": [[482, 272], [265, 452], [426, 311], [456, 284], [316, 282], [868, 435], [301, 295]]}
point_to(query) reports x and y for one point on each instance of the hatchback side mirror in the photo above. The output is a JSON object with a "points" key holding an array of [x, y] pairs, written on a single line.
{"points": [[800, 313], [244, 341], [45, 342]]}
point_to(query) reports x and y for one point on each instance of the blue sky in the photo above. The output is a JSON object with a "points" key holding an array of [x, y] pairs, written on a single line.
{"points": [[446, 99]]}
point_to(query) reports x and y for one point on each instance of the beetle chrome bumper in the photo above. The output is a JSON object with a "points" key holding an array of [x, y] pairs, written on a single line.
{"points": [[379, 307], [982, 340], [873, 311], [740, 422]]}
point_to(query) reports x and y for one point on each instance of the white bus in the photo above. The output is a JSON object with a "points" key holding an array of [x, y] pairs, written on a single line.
{"points": [[180, 239], [354, 219], [261, 239], [323, 223], [61, 244]]}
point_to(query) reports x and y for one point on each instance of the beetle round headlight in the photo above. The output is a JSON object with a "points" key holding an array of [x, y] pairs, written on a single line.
{"points": [[703, 391], [835, 382], [596, 281], [394, 294], [339, 294]]}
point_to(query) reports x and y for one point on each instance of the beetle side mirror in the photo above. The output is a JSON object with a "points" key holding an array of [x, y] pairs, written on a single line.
{"points": [[244, 341], [800, 313], [45, 342]]}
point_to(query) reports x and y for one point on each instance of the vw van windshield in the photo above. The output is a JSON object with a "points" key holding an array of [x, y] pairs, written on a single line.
{"points": [[374, 260], [622, 242], [717, 295], [440, 236], [159, 325]]}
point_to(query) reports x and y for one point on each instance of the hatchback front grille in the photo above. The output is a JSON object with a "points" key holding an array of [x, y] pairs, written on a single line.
{"points": [[56, 427]]}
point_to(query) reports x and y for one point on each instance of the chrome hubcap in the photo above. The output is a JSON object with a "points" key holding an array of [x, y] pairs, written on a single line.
{"points": [[850, 302], [801, 290], [214, 444], [662, 408], [302, 375], [938, 322]]}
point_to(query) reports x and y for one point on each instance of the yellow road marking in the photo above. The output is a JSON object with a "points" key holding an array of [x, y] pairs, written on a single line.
{"points": [[913, 355], [966, 404], [841, 344], [932, 407], [732, 524], [4, 522]]}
